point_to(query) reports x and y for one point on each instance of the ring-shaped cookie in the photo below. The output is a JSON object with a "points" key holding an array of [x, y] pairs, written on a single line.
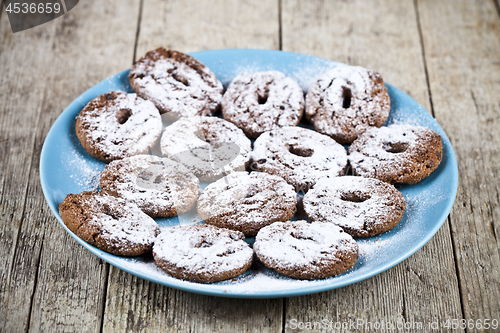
{"points": [[361, 206], [208, 146], [109, 223], [262, 101], [299, 155], [306, 250], [202, 253], [117, 125], [346, 101], [396, 153], [176, 83], [247, 202], [159, 186]]}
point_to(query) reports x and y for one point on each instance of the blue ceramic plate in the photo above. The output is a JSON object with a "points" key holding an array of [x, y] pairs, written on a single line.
{"points": [[65, 168]]}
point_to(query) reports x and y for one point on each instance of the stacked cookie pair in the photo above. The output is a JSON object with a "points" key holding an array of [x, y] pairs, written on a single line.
{"points": [[348, 105]]}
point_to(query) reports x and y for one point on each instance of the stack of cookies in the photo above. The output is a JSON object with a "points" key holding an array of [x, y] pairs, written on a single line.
{"points": [[256, 161]]}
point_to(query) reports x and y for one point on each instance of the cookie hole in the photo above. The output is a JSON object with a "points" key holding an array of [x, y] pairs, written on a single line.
{"points": [[251, 193], [395, 147], [354, 197], [116, 142], [122, 115], [301, 236], [157, 180], [303, 152], [346, 97], [263, 99], [144, 176], [181, 79], [204, 244]]}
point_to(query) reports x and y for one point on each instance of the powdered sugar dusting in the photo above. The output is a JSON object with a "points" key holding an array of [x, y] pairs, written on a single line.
{"points": [[84, 173], [298, 244], [299, 155], [305, 74], [159, 186], [409, 116], [261, 101], [208, 146], [382, 152], [346, 101], [358, 205], [247, 202], [120, 222], [134, 134], [202, 249], [174, 86], [373, 251]]}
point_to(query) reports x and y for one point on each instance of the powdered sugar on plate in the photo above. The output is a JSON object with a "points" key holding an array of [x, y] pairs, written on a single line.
{"points": [[83, 172]]}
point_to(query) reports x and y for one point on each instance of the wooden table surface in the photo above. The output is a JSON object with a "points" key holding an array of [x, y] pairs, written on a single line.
{"points": [[445, 54]]}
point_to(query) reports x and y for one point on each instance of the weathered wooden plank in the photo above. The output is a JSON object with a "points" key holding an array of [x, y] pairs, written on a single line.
{"points": [[55, 282], [134, 304], [207, 25], [21, 90], [382, 35], [462, 50]]}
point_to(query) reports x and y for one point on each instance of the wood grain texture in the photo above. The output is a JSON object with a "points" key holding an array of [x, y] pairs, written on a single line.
{"points": [[462, 50], [21, 90], [134, 304], [192, 25], [382, 35], [137, 305], [54, 282]]}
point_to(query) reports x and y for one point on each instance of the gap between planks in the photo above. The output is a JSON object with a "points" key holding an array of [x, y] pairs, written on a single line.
{"points": [[35, 285], [419, 27], [497, 6], [139, 19], [448, 220], [39, 254]]}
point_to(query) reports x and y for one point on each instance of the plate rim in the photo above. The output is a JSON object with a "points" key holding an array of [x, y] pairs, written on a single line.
{"points": [[199, 288]]}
